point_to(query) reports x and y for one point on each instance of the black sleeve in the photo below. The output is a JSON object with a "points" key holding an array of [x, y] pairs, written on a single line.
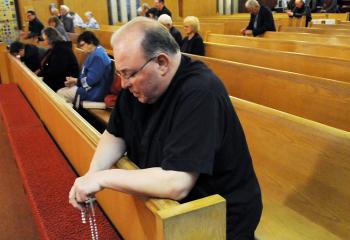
{"points": [[198, 47], [268, 23], [115, 123], [59, 64], [251, 22], [192, 142], [178, 38]]}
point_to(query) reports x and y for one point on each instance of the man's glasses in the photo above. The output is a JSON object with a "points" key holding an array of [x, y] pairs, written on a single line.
{"points": [[127, 76]]}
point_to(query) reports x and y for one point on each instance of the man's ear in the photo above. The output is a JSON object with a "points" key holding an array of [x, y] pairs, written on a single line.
{"points": [[163, 62]]}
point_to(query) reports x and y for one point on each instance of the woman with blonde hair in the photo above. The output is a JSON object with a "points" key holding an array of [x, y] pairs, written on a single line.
{"points": [[193, 42]]}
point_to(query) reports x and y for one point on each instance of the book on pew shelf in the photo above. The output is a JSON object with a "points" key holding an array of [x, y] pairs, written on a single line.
{"points": [[96, 105]]}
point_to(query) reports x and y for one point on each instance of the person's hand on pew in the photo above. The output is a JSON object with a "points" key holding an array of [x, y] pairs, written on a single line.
{"points": [[70, 81], [247, 32], [289, 13], [83, 188]]}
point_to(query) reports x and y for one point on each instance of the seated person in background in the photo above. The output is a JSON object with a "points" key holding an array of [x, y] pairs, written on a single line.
{"points": [[66, 19], [59, 60], [165, 19], [143, 9], [193, 42], [35, 26], [55, 12], [96, 75], [161, 8], [90, 21], [329, 6], [27, 53], [152, 13], [261, 19], [56, 23], [175, 120], [301, 9]]}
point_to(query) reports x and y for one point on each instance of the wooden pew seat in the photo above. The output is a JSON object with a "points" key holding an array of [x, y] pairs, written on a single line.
{"points": [[298, 163]]}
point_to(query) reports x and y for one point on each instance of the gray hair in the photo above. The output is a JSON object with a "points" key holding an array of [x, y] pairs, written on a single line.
{"points": [[52, 35], [165, 19], [156, 39], [252, 4], [65, 7], [89, 14]]}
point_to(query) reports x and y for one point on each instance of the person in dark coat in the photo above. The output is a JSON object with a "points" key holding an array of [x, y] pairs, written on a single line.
{"points": [[59, 61], [301, 9], [162, 9], [66, 19], [193, 42], [27, 53], [166, 20], [35, 26], [261, 19]]}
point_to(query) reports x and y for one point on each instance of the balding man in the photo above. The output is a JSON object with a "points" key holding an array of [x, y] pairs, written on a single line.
{"points": [[175, 120], [261, 19], [66, 19], [166, 20], [301, 9]]}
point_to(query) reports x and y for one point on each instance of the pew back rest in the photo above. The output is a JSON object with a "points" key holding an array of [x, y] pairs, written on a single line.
{"points": [[314, 98], [316, 49], [302, 165], [309, 37], [336, 69]]}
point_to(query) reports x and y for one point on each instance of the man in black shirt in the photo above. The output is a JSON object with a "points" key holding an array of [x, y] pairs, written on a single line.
{"points": [[35, 26], [162, 9], [301, 9], [261, 19], [27, 53], [166, 20], [175, 120]]}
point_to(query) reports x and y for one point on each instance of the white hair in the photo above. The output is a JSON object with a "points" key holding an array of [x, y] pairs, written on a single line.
{"points": [[165, 19], [88, 14], [252, 4], [65, 7]]}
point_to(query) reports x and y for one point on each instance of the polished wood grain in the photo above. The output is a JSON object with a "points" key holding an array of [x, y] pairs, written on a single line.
{"points": [[336, 69], [310, 48]]}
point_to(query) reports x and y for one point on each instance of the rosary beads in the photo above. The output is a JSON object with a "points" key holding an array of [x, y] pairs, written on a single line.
{"points": [[89, 211]]}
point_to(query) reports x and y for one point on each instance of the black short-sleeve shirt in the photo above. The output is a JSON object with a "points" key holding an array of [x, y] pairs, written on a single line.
{"points": [[193, 128]]}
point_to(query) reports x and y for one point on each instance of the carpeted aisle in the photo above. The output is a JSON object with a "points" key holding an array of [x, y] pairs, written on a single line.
{"points": [[16, 220]]}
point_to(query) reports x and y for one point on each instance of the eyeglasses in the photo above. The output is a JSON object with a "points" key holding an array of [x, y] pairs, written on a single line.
{"points": [[128, 76]]}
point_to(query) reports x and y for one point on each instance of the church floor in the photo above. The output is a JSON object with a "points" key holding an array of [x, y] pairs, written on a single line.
{"points": [[16, 220]]}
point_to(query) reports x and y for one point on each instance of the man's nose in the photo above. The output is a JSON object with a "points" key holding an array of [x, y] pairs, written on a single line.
{"points": [[125, 83]]}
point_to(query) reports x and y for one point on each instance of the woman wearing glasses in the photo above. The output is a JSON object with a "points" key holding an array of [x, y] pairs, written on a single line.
{"points": [[95, 76]]}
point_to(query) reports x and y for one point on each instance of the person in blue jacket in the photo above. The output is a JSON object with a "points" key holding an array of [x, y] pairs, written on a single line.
{"points": [[96, 74]]}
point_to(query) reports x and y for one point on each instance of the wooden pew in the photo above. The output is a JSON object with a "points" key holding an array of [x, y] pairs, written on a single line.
{"points": [[333, 32], [316, 49], [302, 167], [330, 26], [314, 98], [336, 69], [317, 99], [309, 37], [135, 218]]}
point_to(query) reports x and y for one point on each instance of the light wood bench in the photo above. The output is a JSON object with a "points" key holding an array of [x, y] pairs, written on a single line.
{"points": [[314, 98], [316, 49], [301, 166], [135, 218], [332, 32], [309, 37], [336, 69]]}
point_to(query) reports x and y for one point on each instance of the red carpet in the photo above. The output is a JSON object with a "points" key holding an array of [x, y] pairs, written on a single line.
{"points": [[46, 175]]}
